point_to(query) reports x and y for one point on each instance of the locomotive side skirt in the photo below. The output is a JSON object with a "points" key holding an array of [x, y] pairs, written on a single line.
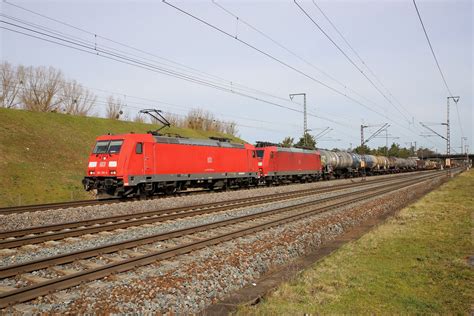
{"points": [[137, 179]]}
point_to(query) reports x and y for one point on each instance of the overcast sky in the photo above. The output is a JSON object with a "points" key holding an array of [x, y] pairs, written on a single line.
{"points": [[387, 35]]}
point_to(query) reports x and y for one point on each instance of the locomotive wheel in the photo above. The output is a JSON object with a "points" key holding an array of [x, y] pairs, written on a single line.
{"points": [[169, 190]]}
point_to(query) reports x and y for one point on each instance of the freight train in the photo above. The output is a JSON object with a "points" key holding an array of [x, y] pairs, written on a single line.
{"points": [[147, 164]]}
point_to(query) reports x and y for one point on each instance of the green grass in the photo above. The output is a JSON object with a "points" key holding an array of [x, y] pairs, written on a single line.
{"points": [[43, 156], [414, 263]]}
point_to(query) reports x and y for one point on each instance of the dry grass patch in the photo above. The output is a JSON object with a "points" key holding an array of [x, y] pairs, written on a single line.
{"points": [[416, 262]]}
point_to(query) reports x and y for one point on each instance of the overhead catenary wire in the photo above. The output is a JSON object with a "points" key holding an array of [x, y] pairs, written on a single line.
{"points": [[350, 59], [437, 64], [95, 46], [362, 60], [291, 52], [97, 51], [130, 61], [358, 56], [220, 6], [233, 84], [135, 65], [273, 58], [283, 63]]}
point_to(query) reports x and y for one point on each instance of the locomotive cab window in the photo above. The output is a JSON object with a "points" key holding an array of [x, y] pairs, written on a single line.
{"points": [[107, 146], [139, 148], [271, 154], [260, 153], [253, 153], [101, 147], [115, 146]]}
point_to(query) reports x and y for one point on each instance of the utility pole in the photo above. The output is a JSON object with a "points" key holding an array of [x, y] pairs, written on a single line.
{"points": [[448, 131], [462, 148], [467, 156], [305, 118], [362, 135]]}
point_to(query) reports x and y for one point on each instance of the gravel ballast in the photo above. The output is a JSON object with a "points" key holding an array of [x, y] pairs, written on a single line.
{"points": [[29, 253], [189, 283], [57, 216]]}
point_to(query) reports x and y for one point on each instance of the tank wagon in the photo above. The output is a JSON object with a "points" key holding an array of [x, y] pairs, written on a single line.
{"points": [[146, 164], [339, 163], [282, 165]]}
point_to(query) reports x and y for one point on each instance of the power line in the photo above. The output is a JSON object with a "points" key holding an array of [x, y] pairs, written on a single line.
{"points": [[273, 58], [350, 59], [362, 60], [437, 63], [137, 63], [180, 65], [432, 50], [358, 55], [304, 60], [95, 50], [282, 62], [287, 49]]}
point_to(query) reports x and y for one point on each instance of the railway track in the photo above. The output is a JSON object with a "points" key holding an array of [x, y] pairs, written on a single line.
{"points": [[70, 204], [39, 234], [145, 250]]}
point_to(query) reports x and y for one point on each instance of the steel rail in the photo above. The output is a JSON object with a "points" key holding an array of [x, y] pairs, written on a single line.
{"points": [[43, 288], [123, 221], [64, 205], [87, 253], [51, 206]]}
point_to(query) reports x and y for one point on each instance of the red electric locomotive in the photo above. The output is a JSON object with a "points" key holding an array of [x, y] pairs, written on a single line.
{"points": [[279, 164], [146, 164]]}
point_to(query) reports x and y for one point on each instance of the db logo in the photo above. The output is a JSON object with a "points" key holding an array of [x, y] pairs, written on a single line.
{"points": [[102, 164], [209, 159]]}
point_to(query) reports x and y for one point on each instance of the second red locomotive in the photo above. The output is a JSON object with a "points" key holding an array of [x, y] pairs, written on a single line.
{"points": [[281, 165]]}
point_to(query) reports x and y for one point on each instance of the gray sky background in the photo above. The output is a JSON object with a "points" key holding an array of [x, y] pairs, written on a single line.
{"points": [[386, 34]]}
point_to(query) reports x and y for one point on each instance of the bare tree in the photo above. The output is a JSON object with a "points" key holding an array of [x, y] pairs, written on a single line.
{"points": [[11, 85], [114, 108], [231, 128], [174, 120], [139, 118], [194, 119], [77, 100], [41, 87]]}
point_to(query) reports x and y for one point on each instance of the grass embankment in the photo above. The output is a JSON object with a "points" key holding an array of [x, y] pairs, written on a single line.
{"points": [[43, 156], [416, 262]]}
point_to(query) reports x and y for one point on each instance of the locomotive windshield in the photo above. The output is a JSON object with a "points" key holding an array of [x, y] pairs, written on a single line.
{"points": [[107, 146], [115, 146], [260, 153]]}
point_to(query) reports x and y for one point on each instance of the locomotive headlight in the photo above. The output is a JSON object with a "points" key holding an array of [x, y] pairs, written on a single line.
{"points": [[92, 164], [112, 164], [113, 172], [260, 163], [92, 172]]}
